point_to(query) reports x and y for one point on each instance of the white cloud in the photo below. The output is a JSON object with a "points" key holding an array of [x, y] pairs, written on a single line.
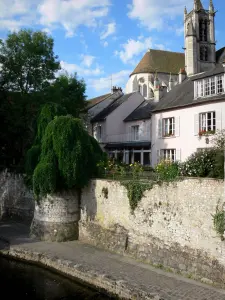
{"points": [[105, 44], [104, 83], [81, 71], [110, 29], [69, 14], [87, 60], [72, 13], [154, 13], [133, 48]]}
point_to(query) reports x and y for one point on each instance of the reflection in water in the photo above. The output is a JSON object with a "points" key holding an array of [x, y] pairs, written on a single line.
{"points": [[19, 280]]}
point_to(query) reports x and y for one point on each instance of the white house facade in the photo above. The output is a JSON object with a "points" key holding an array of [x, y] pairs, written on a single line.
{"points": [[174, 102]]}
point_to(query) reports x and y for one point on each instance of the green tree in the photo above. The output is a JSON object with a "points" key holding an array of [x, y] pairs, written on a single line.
{"points": [[68, 159], [69, 92], [28, 64], [28, 61]]}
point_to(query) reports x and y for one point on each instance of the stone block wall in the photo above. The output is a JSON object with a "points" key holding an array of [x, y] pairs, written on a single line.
{"points": [[15, 198], [56, 217], [171, 227]]}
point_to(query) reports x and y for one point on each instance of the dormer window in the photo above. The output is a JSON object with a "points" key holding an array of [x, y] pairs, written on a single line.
{"points": [[210, 86]]}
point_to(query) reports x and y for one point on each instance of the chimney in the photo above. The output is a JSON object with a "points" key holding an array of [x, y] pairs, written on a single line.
{"points": [[116, 89], [182, 75], [171, 83]]}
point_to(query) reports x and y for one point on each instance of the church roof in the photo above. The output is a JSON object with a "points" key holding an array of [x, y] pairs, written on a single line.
{"points": [[160, 61]]}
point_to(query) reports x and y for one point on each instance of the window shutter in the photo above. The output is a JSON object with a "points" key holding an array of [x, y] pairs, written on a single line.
{"points": [[158, 156], [196, 124], [177, 126], [160, 128], [218, 120], [178, 154], [129, 133]]}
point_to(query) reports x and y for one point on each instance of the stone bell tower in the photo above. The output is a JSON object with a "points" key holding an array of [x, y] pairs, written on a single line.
{"points": [[199, 34]]}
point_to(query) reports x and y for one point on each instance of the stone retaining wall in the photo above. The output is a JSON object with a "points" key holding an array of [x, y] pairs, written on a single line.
{"points": [[16, 201], [172, 226]]}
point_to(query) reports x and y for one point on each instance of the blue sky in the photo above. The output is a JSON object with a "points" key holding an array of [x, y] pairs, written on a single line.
{"points": [[103, 38]]}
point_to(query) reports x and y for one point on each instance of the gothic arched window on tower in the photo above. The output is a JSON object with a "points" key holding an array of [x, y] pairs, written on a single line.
{"points": [[144, 90], [205, 32], [201, 30], [204, 53]]}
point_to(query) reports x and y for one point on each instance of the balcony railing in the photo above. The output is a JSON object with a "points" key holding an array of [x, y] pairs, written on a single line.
{"points": [[125, 137]]}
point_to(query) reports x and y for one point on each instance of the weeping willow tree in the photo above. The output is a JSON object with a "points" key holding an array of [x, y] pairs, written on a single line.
{"points": [[64, 156], [47, 114]]}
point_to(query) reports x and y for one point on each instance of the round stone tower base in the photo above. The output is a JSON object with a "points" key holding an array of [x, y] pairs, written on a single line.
{"points": [[56, 217]]}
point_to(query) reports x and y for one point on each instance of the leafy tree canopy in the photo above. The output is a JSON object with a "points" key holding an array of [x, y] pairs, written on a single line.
{"points": [[69, 92], [28, 61]]}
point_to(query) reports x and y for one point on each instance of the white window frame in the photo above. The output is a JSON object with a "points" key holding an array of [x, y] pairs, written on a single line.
{"points": [[210, 86], [168, 154], [135, 133], [203, 121], [168, 127]]}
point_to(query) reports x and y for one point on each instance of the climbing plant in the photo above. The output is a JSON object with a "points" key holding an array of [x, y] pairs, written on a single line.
{"points": [[135, 191], [219, 222]]}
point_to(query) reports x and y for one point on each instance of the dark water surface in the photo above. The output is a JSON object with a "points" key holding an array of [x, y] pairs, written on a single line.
{"points": [[23, 281]]}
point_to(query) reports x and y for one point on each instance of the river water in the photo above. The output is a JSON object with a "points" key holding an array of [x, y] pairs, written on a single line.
{"points": [[24, 281]]}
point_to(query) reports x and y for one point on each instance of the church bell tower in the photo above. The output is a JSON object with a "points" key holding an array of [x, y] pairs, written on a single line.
{"points": [[199, 34]]}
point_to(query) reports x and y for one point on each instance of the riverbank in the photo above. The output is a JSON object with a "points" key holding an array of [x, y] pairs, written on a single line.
{"points": [[113, 273]]}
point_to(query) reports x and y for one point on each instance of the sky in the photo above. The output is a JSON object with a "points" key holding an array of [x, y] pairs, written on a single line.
{"points": [[103, 40]]}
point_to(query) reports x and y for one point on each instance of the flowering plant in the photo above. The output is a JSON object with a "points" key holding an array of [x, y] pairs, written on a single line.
{"points": [[167, 170], [206, 132]]}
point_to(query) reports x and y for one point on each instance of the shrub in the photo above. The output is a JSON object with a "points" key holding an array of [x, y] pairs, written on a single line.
{"points": [[219, 222], [167, 170], [205, 163]]}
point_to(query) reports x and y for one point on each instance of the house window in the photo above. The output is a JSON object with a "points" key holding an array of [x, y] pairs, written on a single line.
{"points": [[135, 132], [209, 86], [220, 84], [168, 127], [168, 154], [213, 86], [207, 122]]}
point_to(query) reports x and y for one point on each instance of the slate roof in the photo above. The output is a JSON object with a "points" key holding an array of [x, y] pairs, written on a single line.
{"points": [[183, 95], [142, 112], [217, 70], [106, 111], [219, 53], [160, 61], [96, 100]]}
